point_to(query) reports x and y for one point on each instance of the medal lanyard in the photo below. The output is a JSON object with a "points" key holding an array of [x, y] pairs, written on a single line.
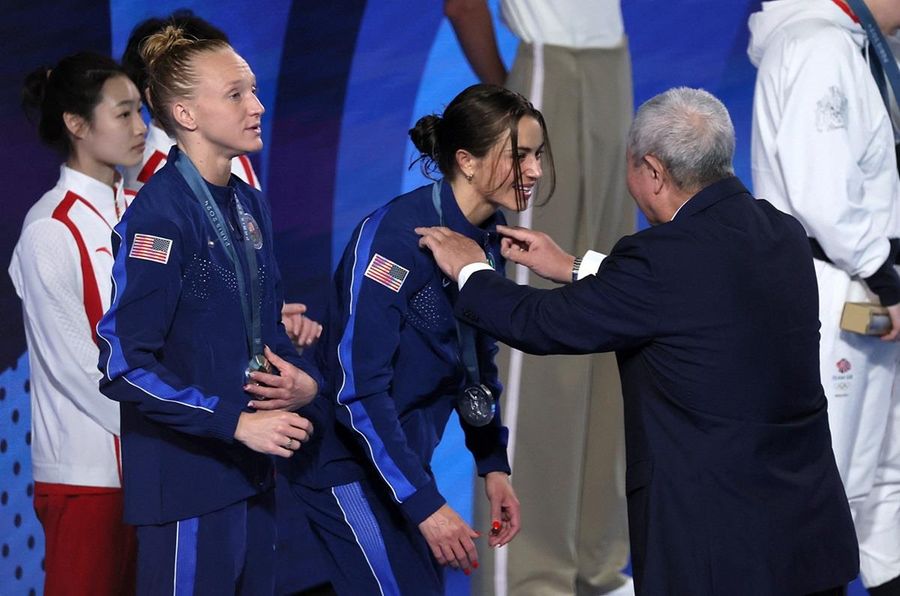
{"points": [[464, 333], [880, 45], [249, 299]]}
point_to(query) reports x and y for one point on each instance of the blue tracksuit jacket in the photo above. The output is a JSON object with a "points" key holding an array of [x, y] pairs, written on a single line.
{"points": [[393, 358], [173, 351]]}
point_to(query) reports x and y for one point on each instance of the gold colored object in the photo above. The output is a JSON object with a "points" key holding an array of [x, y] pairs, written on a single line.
{"points": [[865, 319]]}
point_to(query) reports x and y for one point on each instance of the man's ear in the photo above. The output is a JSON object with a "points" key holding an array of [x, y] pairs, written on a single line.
{"points": [[183, 114], [657, 171], [76, 125]]}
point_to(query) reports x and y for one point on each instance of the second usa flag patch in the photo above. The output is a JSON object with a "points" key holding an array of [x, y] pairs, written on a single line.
{"points": [[150, 248], [386, 272]]}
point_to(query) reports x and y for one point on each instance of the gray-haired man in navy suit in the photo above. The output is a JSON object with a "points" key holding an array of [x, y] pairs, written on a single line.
{"points": [[712, 312]]}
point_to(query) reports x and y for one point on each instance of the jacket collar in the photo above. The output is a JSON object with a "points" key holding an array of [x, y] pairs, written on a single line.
{"points": [[107, 200], [158, 139], [712, 194], [456, 221]]}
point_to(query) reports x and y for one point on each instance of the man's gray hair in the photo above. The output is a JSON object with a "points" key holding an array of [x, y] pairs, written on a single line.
{"points": [[690, 132]]}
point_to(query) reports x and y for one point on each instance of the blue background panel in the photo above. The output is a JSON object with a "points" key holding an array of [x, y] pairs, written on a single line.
{"points": [[342, 82]]}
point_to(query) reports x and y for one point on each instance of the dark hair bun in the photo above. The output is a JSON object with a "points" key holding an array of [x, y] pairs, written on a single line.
{"points": [[73, 86], [34, 89], [424, 136]]}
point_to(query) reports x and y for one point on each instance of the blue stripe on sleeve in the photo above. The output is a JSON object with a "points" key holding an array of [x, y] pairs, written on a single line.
{"points": [[359, 417], [116, 364]]}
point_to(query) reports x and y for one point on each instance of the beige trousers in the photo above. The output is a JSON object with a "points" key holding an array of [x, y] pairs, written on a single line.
{"points": [[568, 465]]}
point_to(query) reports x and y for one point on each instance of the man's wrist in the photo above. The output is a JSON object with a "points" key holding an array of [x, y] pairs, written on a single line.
{"points": [[469, 269]]}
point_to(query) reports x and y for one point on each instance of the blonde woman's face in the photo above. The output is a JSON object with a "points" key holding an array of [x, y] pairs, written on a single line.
{"points": [[226, 110]]}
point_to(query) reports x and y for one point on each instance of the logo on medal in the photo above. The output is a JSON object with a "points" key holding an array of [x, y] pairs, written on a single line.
{"points": [[476, 405], [253, 231]]}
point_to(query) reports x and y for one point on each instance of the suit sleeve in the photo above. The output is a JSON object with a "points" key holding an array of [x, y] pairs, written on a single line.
{"points": [[375, 306], [133, 332], [840, 132], [612, 310], [48, 279]]}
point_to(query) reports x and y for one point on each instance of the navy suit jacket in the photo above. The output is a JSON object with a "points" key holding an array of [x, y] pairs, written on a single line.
{"points": [[731, 481]]}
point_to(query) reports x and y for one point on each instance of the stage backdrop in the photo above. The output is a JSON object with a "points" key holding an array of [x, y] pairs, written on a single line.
{"points": [[342, 82]]}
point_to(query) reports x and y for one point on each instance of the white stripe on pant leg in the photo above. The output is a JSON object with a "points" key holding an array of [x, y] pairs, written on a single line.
{"points": [[514, 378], [175, 562]]}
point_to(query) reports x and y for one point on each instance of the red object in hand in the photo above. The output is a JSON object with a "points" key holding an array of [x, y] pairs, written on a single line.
{"points": [[495, 528]]}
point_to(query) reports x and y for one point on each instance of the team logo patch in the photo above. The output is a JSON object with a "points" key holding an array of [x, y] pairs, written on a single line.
{"points": [[843, 365], [831, 110], [386, 272], [150, 248]]}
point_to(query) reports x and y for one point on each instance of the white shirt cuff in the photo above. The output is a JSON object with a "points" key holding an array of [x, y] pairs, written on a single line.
{"points": [[469, 269], [590, 264]]}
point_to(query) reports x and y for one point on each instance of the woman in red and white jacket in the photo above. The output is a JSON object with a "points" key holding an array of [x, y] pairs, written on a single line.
{"points": [[88, 109]]}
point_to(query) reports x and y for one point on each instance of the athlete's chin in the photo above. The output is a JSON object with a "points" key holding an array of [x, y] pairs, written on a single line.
{"points": [[250, 146]]}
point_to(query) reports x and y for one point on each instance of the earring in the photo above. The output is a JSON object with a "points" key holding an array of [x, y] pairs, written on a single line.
{"points": [[468, 177]]}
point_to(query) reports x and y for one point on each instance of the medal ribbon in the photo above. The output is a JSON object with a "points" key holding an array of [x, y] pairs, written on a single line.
{"points": [[465, 334], [250, 304], [882, 51]]}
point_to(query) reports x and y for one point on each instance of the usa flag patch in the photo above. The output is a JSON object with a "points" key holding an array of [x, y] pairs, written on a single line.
{"points": [[150, 248], [386, 272]]}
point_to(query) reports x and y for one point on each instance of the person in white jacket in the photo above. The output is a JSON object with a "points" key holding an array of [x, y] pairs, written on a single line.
{"points": [[90, 110], [823, 151]]}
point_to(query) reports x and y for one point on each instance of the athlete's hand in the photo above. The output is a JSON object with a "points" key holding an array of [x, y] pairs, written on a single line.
{"points": [[505, 510], [302, 330], [537, 251], [894, 312], [274, 433], [290, 390], [450, 539]]}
